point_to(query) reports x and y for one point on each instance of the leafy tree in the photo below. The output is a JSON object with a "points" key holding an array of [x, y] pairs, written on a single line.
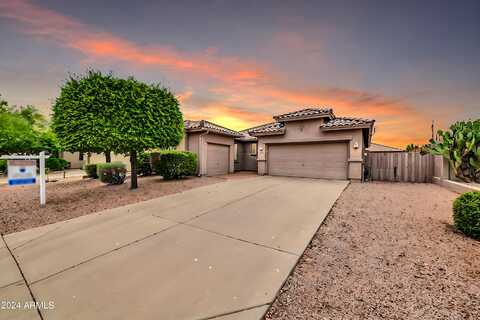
{"points": [[3, 105], [460, 145], [32, 115], [16, 134], [100, 112], [412, 147]]}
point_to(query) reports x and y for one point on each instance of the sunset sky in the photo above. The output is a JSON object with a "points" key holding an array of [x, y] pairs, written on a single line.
{"points": [[237, 63]]}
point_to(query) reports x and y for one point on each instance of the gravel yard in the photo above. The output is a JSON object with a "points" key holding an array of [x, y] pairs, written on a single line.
{"points": [[386, 251], [19, 205]]}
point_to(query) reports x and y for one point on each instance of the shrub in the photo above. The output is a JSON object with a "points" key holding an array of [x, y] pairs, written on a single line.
{"points": [[112, 173], [145, 164], [3, 166], [176, 164], [91, 170], [466, 214], [55, 164]]}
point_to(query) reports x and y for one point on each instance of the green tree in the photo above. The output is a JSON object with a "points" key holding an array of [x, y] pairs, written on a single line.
{"points": [[3, 105], [98, 112], [16, 134]]}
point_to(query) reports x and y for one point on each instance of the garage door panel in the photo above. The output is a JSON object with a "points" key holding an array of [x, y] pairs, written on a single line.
{"points": [[217, 159], [316, 160]]}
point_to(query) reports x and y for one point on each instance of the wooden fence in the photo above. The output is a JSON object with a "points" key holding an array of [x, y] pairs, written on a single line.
{"points": [[399, 166]]}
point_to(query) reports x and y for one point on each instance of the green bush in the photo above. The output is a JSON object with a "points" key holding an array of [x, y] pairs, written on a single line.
{"points": [[91, 170], [3, 166], [176, 164], [466, 214], [112, 173], [55, 164], [145, 164]]}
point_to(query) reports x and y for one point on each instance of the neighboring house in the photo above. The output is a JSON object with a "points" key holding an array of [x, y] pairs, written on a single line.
{"points": [[380, 147], [313, 143], [213, 144], [77, 160]]}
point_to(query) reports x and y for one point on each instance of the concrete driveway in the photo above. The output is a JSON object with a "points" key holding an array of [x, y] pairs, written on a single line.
{"points": [[217, 252]]}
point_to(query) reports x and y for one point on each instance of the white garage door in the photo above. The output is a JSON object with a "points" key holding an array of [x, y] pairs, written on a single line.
{"points": [[217, 159], [312, 160]]}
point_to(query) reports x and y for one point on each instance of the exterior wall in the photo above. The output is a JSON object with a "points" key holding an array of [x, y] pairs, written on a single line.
{"points": [[197, 143], [73, 158], [309, 131], [381, 147], [75, 163], [245, 160], [182, 145]]}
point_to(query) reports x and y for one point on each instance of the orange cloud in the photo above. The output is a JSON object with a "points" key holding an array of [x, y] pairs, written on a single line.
{"points": [[242, 94], [71, 33]]}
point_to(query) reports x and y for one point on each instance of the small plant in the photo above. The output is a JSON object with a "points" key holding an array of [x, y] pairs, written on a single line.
{"points": [[466, 214], [145, 164], [91, 170], [3, 166], [176, 164], [55, 164], [461, 147], [112, 173]]}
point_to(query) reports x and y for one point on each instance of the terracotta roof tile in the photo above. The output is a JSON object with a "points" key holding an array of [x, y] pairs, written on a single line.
{"points": [[207, 125], [269, 128], [304, 114], [346, 122]]}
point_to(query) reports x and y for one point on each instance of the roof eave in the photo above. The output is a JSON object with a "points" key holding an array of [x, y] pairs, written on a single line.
{"points": [[317, 116], [272, 133], [345, 127]]}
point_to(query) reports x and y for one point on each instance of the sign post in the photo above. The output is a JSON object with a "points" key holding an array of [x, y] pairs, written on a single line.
{"points": [[43, 198], [23, 170]]}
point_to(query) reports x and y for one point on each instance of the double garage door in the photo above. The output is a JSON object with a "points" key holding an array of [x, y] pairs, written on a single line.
{"points": [[218, 159], [309, 160]]}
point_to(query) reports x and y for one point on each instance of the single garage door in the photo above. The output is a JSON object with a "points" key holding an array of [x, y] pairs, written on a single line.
{"points": [[217, 159], [310, 160]]}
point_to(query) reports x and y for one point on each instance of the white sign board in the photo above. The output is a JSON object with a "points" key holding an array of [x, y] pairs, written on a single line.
{"points": [[22, 172]]}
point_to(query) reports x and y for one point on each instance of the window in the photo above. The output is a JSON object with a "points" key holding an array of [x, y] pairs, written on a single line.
{"points": [[80, 156], [235, 151], [253, 149]]}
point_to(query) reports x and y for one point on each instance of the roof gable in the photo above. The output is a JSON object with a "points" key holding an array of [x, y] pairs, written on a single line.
{"points": [[308, 113], [204, 125]]}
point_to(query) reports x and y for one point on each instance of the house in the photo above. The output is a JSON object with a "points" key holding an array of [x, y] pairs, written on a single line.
{"points": [[311, 143], [375, 147]]}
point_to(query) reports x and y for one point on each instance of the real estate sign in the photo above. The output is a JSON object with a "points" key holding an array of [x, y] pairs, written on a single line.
{"points": [[22, 172]]}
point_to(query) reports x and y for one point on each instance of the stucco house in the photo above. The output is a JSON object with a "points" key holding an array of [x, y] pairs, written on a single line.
{"points": [[310, 143]]}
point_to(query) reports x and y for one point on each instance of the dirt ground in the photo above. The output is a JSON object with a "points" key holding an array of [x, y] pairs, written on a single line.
{"points": [[386, 251], [19, 205]]}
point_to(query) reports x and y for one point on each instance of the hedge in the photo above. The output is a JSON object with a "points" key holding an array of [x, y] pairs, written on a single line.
{"points": [[55, 164], [3, 166], [91, 170], [112, 173], [466, 214], [176, 164]]}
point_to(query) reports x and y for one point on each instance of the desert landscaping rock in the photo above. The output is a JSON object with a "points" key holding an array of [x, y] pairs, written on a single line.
{"points": [[386, 251]]}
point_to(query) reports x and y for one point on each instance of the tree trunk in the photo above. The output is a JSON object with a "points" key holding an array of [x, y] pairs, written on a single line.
{"points": [[108, 157], [133, 174]]}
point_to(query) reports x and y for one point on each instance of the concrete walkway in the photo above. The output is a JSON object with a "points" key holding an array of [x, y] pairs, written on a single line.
{"points": [[220, 251]]}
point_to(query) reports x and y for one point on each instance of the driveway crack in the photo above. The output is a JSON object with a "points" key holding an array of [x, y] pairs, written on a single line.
{"points": [[32, 295]]}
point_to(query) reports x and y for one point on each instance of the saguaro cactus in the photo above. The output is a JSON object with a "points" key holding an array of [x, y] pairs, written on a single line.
{"points": [[460, 145]]}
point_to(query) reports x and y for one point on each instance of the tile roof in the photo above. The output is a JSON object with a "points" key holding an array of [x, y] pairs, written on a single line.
{"points": [[266, 129], [305, 114], [346, 122], [203, 125]]}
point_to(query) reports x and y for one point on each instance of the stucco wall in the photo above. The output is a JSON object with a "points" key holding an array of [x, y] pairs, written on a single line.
{"points": [[309, 131]]}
